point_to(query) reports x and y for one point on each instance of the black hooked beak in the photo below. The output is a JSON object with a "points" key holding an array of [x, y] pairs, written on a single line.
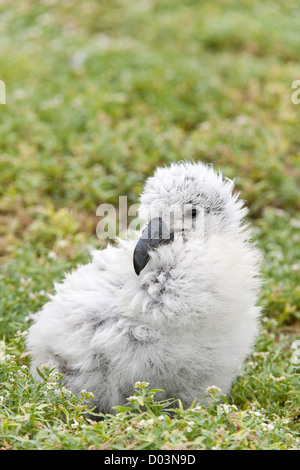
{"points": [[154, 235]]}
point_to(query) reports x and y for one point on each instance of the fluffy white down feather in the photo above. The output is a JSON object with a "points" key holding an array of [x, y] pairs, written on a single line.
{"points": [[187, 322]]}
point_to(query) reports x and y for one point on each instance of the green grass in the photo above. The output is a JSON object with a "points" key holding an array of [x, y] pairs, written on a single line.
{"points": [[98, 93]]}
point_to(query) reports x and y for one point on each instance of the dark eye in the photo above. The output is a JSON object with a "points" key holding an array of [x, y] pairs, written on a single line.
{"points": [[194, 213]]}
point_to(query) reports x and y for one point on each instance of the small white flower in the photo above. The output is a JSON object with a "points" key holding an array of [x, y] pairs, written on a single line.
{"points": [[143, 422], [75, 424], [277, 379], [30, 316], [129, 428], [141, 384], [188, 429], [9, 357], [62, 243], [198, 407], [32, 295], [251, 364], [52, 255], [54, 374], [25, 281], [21, 334], [213, 389], [161, 418], [261, 354], [295, 223], [87, 395], [226, 408], [267, 426]]}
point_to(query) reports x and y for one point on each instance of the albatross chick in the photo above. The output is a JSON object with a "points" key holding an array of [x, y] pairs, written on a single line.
{"points": [[175, 306]]}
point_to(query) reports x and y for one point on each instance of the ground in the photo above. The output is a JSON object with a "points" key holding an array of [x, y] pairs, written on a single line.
{"points": [[97, 95]]}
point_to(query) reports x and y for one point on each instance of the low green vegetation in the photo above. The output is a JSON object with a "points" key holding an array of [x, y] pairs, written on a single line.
{"points": [[98, 93]]}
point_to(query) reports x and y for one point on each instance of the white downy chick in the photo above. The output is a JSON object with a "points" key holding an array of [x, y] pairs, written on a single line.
{"points": [[177, 309]]}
